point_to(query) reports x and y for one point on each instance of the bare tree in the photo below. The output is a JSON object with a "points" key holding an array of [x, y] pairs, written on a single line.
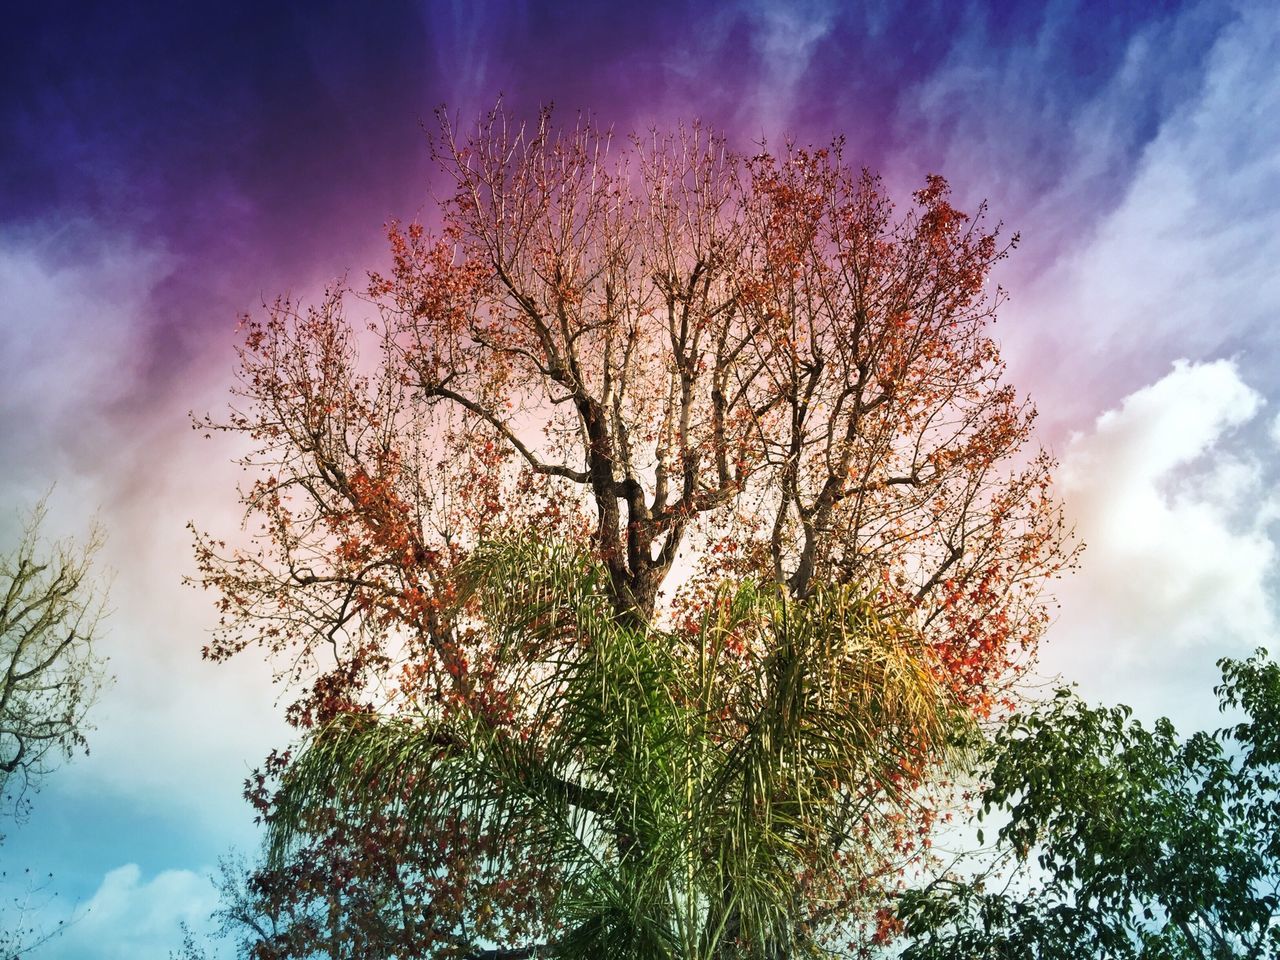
{"points": [[50, 672]]}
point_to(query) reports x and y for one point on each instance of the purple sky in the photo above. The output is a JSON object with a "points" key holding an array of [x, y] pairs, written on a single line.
{"points": [[164, 168]]}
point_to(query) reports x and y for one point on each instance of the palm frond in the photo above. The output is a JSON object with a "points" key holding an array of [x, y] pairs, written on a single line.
{"points": [[682, 792]]}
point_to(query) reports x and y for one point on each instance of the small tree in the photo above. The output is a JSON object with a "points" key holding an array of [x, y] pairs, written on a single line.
{"points": [[667, 357], [50, 673], [1132, 842]]}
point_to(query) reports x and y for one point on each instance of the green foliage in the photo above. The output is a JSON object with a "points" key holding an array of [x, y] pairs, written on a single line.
{"points": [[1132, 842], [683, 793]]}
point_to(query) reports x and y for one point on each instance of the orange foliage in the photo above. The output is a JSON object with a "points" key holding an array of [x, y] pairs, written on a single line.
{"points": [[676, 356]]}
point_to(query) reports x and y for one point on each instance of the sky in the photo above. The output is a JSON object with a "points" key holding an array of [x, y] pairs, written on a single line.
{"points": [[166, 167]]}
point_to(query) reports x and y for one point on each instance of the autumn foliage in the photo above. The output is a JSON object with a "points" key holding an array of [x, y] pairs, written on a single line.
{"points": [[690, 368]]}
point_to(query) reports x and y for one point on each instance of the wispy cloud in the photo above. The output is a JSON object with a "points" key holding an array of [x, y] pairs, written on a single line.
{"points": [[785, 39], [131, 915], [1179, 567], [76, 309], [1184, 263]]}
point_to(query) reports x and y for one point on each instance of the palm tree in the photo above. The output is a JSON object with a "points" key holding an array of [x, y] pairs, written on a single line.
{"points": [[695, 794]]}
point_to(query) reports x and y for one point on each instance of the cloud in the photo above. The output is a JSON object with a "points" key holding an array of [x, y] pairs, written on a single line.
{"points": [[70, 349], [130, 916], [77, 308], [1182, 262], [1179, 563], [1152, 237], [785, 38], [1049, 129]]}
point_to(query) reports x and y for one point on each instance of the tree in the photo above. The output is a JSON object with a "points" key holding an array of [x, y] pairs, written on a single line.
{"points": [[674, 357], [269, 919], [50, 674], [49, 671], [685, 803], [1133, 843]]}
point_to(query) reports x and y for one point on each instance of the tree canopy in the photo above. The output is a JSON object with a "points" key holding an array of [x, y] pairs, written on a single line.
{"points": [[645, 538], [1132, 841]]}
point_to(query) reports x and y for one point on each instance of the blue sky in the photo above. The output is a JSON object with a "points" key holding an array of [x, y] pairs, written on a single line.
{"points": [[165, 168]]}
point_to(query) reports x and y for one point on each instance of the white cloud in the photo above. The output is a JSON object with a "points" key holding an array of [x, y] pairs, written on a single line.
{"points": [[130, 916], [1156, 238], [1178, 565], [1162, 426]]}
